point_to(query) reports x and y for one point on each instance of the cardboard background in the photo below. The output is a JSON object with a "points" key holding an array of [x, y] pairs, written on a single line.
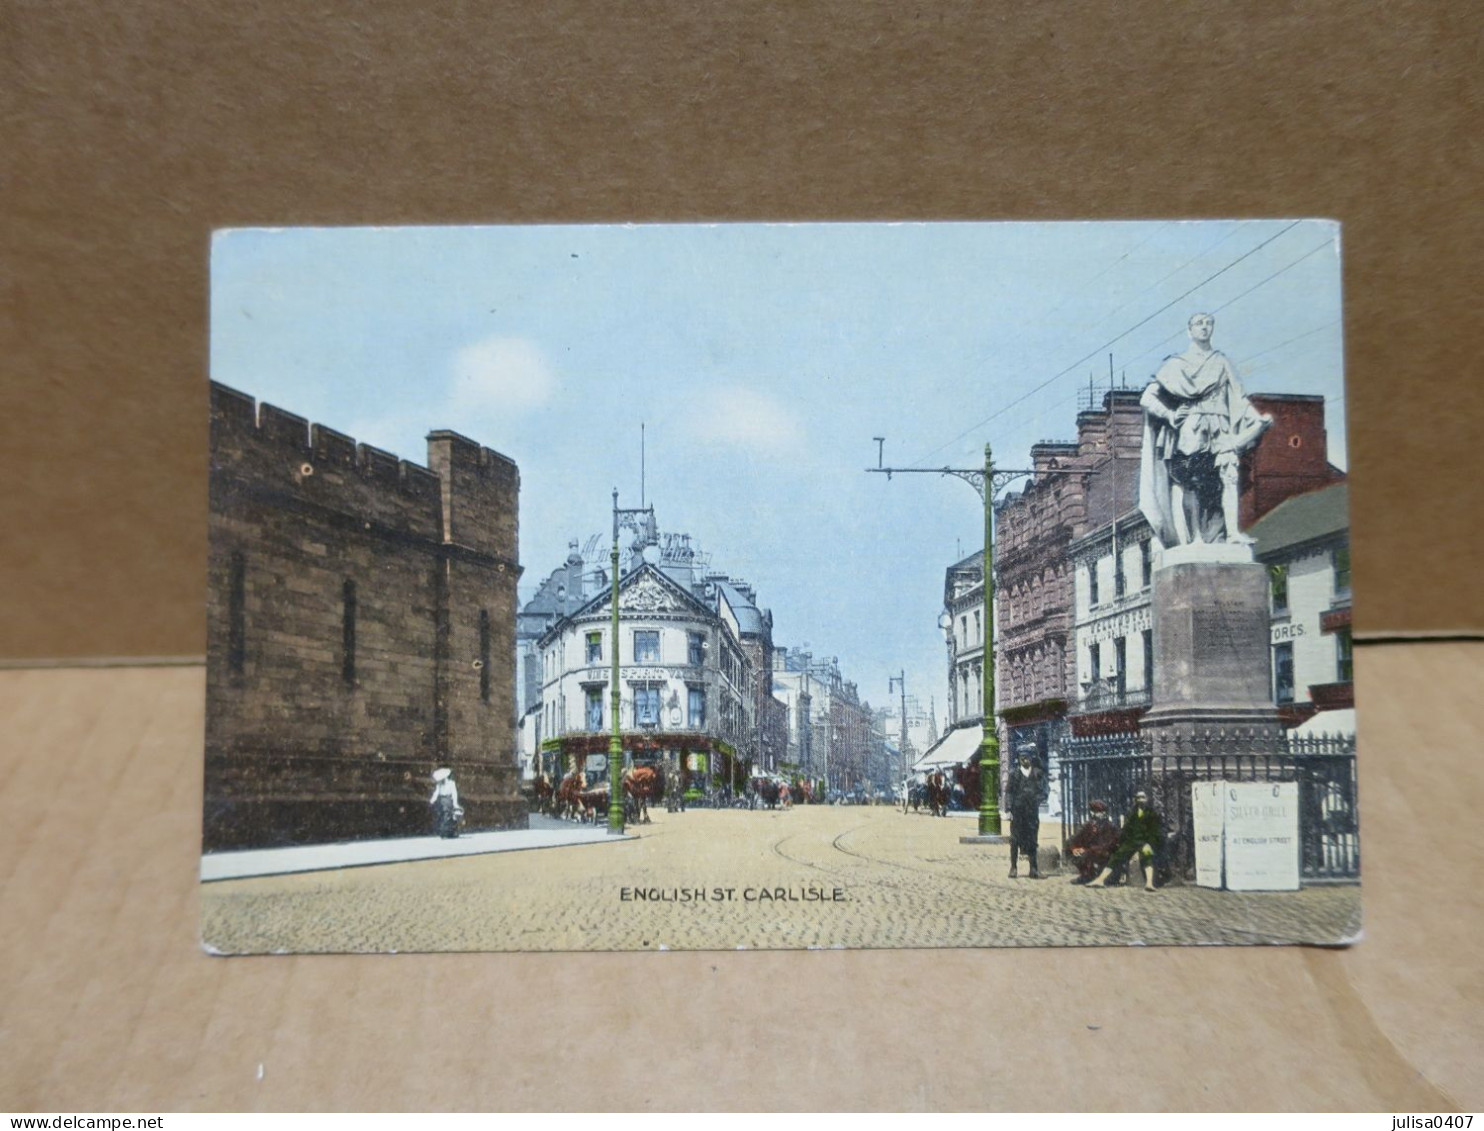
{"points": [[130, 131]]}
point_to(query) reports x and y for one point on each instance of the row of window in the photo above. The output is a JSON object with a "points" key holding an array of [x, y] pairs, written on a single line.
{"points": [[1119, 678], [1283, 678], [647, 647], [1120, 585], [646, 707], [349, 613]]}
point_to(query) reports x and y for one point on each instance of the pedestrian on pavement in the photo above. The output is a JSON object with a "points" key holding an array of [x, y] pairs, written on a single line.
{"points": [[445, 803], [1023, 799], [1093, 843], [1142, 838]]}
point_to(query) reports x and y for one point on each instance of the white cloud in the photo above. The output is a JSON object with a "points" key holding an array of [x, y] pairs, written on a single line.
{"points": [[501, 374], [749, 419]]}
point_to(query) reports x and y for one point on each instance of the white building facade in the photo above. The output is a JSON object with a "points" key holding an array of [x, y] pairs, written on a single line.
{"points": [[963, 624], [1305, 543], [684, 680], [1113, 620]]}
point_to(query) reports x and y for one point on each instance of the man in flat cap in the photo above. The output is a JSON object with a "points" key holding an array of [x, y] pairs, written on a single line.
{"points": [[1023, 794], [1093, 843]]}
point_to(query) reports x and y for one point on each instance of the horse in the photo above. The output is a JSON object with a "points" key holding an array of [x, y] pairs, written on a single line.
{"points": [[593, 802], [641, 785], [917, 795], [568, 795], [768, 790], [937, 793], [542, 794]]}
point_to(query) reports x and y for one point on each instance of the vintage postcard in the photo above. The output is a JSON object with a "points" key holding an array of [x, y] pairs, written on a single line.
{"points": [[627, 588]]}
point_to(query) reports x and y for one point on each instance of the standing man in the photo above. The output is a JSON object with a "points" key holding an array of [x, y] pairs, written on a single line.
{"points": [[1197, 423], [1023, 800]]}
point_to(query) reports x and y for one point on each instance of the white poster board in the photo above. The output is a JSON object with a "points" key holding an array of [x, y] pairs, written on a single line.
{"points": [[1208, 809], [1262, 849]]}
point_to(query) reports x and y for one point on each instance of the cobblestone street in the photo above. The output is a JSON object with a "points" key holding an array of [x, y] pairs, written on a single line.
{"points": [[818, 876]]}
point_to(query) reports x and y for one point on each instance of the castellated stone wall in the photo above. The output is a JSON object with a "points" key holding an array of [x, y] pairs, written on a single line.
{"points": [[361, 632]]}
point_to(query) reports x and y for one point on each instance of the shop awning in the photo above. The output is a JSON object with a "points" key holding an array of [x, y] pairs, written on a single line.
{"points": [[955, 748], [1341, 723]]}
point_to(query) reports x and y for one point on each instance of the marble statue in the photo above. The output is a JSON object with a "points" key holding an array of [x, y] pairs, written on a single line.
{"points": [[1197, 424]]}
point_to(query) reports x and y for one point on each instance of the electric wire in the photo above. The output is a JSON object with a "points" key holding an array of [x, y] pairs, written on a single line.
{"points": [[1119, 337]]}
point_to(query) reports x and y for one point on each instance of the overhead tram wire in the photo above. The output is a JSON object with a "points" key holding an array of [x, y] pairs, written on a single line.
{"points": [[1233, 301], [1081, 287], [1290, 341], [1251, 357], [1094, 353], [1205, 251], [1024, 421], [1164, 279]]}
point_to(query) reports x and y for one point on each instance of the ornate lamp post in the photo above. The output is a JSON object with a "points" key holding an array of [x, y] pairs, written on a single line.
{"points": [[615, 738], [988, 483]]}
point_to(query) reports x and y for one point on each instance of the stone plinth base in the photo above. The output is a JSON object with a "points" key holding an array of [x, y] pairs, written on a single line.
{"points": [[1213, 729], [984, 840], [1211, 635], [1212, 665]]}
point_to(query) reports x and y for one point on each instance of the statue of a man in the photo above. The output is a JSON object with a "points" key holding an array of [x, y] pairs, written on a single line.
{"points": [[1197, 423]]}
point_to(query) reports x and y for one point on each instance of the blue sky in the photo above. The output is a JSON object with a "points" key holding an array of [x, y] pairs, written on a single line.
{"points": [[761, 360]]}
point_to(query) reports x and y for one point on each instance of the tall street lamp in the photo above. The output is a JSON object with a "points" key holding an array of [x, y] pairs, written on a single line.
{"points": [[615, 738], [988, 483]]}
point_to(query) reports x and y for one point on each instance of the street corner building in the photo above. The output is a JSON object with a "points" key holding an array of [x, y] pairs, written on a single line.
{"points": [[360, 632]]}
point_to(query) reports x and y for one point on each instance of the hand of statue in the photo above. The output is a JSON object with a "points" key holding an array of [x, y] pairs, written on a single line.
{"points": [[1179, 415]]}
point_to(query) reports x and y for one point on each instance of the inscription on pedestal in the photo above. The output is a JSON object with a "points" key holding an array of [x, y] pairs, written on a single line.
{"points": [[1211, 650]]}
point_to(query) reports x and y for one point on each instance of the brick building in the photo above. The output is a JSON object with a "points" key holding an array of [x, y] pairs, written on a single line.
{"points": [[1034, 662], [360, 631]]}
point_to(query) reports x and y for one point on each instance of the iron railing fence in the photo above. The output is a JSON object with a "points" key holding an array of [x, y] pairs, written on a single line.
{"points": [[1114, 768]]}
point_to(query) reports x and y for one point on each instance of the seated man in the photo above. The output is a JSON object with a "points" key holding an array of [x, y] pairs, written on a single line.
{"points": [[1142, 837], [1093, 843]]}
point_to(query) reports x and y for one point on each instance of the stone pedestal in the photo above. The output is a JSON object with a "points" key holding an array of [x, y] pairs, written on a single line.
{"points": [[1212, 670]]}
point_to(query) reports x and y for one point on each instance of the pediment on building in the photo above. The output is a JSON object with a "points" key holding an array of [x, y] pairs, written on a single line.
{"points": [[648, 594], [647, 591]]}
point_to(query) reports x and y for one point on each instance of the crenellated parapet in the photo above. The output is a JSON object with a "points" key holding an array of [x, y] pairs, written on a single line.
{"points": [[467, 496], [479, 489], [268, 451]]}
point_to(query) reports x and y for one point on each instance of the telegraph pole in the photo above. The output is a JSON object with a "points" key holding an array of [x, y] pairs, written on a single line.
{"points": [[988, 483], [901, 683]]}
